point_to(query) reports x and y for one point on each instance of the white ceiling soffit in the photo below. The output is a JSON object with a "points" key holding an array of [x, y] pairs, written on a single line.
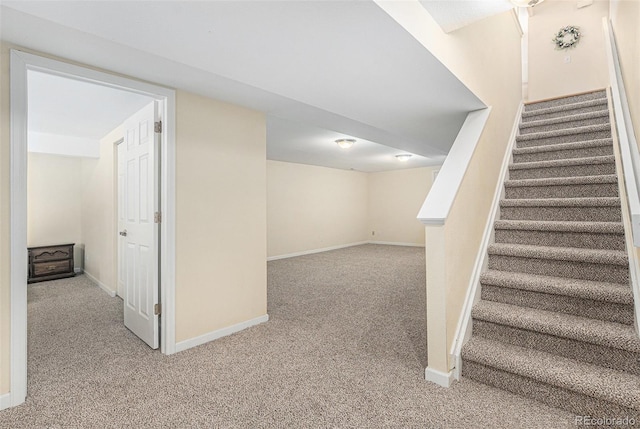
{"points": [[454, 14], [344, 65], [304, 144], [70, 107]]}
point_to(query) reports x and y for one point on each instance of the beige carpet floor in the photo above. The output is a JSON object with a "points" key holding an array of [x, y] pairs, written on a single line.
{"points": [[345, 348]]}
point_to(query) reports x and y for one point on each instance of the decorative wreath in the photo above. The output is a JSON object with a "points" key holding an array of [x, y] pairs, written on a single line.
{"points": [[567, 37]]}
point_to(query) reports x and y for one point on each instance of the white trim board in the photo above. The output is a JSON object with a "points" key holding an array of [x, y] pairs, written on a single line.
{"points": [[440, 378], [396, 243], [20, 63], [5, 401], [463, 328], [111, 293], [219, 333], [312, 251]]}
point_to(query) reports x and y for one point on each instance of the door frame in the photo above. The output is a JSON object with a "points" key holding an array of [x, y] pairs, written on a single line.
{"points": [[20, 63]]}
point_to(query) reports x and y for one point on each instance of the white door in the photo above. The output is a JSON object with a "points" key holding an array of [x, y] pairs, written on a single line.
{"points": [[138, 203]]}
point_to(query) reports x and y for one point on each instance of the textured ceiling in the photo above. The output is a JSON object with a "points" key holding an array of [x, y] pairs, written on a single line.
{"points": [[343, 66], [454, 14]]}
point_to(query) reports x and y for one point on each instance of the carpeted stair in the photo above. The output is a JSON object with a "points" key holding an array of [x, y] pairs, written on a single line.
{"points": [[555, 318]]}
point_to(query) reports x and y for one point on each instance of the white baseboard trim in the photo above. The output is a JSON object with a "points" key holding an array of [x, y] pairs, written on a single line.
{"points": [[111, 293], [310, 252], [77, 270], [5, 401], [440, 378], [214, 335], [395, 243]]}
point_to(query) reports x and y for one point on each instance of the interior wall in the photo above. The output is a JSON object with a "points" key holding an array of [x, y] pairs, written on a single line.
{"points": [[549, 74], [54, 188], [310, 207], [486, 57], [395, 198], [221, 215], [625, 17], [98, 212]]}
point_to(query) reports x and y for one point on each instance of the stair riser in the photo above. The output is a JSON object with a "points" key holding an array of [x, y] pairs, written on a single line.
{"points": [[611, 312], [569, 138], [578, 214], [565, 125], [564, 191], [561, 239], [564, 154], [608, 357], [570, 269], [564, 171], [563, 101], [575, 402], [554, 115]]}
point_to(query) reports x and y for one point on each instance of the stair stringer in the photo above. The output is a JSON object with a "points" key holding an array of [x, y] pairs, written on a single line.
{"points": [[464, 326], [634, 260]]}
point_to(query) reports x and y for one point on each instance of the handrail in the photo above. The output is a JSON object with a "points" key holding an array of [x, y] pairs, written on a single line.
{"points": [[628, 146], [630, 160], [443, 192]]}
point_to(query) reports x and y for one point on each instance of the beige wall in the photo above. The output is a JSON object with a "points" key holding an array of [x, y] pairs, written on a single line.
{"points": [[395, 198], [311, 207], [485, 56], [98, 212], [5, 251], [625, 16], [549, 75], [54, 189], [221, 215]]}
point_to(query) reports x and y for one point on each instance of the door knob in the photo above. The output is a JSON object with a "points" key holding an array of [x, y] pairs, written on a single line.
{"points": [[123, 233]]}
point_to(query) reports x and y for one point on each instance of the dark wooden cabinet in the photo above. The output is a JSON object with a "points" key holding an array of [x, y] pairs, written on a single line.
{"points": [[50, 262]]}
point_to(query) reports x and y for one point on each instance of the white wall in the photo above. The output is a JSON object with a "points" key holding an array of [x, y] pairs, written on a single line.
{"points": [[310, 207], [98, 212], [395, 198], [625, 16], [54, 200], [549, 75]]}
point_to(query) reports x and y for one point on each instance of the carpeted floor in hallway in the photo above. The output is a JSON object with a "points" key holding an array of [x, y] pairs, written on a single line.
{"points": [[344, 348]]}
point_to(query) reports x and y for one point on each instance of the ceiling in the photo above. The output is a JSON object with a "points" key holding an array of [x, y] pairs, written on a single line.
{"points": [[70, 107], [315, 67], [455, 14]]}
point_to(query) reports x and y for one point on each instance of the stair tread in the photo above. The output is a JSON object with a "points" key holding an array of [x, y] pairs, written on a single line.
{"points": [[584, 329], [564, 132], [602, 383], [561, 202], [564, 162], [587, 289], [563, 146], [562, 226], [575, 254], [565, 107], [563, 181], [528, 106], [563, 119]]}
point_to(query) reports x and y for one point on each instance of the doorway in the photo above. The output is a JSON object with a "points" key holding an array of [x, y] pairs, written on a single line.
{"points": [[21, 64]]}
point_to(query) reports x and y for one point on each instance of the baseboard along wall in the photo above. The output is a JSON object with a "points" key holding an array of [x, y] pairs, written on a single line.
{"points": [[111, 293], [341, 246], [219, 333]]}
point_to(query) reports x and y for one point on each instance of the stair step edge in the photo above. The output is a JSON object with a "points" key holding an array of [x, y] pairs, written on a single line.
{"points": [[565, 162], [563, 119], [577, 288], [563, 325], [573, 254], [616, 228], [563, 146], [564, 132], [563, 181], [590, 380], [561, 202]]}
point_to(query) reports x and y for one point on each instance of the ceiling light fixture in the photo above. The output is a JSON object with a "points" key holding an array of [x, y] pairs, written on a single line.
{"points": [[525, 3], [404, 157], [345, 143]]}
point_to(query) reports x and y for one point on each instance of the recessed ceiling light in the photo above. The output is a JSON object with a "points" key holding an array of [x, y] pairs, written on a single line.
{"points": [[404, 157], [345, 143]]}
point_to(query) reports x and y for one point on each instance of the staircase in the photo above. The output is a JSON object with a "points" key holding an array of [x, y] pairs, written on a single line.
{"points": [[555, 318]]}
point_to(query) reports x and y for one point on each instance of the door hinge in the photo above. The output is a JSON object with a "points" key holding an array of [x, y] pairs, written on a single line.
{"points": [[157, 127], [157, 309], [157, 217]]}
